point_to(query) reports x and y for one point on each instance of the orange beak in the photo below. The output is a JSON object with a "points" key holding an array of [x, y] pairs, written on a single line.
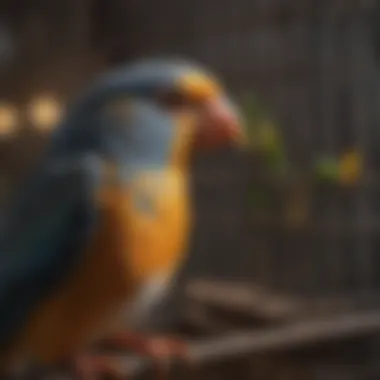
{"points": [[219, 125]]}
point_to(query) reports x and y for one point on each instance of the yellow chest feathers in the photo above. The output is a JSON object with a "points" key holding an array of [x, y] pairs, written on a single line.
{"points": [[153, 215]]}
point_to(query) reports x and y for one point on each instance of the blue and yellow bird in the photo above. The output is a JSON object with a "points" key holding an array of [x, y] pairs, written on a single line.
{"points": [[96, 236]]}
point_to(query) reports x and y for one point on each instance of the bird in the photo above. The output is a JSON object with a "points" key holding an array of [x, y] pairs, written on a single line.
{"points": [[97, 233]]}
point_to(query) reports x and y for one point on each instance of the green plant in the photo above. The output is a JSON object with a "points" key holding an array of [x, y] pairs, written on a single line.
{"points": [[264, 135]]}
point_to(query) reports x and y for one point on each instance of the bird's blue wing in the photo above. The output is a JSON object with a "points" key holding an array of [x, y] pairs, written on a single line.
{"points": [[44, 236]]}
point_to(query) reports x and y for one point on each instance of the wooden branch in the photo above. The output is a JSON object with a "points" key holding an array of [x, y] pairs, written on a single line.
{"points": [[271, 340], [296, 336], [244, 299]]}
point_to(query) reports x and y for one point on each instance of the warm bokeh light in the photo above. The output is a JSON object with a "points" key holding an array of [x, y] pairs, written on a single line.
{"points": [[44, 112], [8, 120]]}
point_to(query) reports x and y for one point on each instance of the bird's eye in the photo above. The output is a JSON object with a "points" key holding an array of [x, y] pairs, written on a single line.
{"points": [[175, 101]]}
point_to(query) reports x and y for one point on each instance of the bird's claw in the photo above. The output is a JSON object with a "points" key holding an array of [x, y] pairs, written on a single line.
{"points": [[162, 351]]}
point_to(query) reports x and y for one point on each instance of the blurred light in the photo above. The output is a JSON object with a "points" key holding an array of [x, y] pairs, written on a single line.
{"points": [[8, 120], [44, 112]]}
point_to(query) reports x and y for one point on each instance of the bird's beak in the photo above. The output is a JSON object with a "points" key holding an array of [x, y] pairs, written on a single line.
{"points": [[220, 125]]}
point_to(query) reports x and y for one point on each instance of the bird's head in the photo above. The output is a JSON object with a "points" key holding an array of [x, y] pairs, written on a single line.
{"points": [[152, 113]]}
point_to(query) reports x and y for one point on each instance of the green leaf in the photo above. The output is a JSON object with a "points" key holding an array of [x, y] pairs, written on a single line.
{"points": [[327, 169]]}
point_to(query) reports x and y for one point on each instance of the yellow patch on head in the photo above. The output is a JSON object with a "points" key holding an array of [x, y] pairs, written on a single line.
{"points": [[185, 130], [199, 86]]}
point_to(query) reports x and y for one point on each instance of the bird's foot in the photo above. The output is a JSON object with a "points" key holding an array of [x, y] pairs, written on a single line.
{"points": [[162, 351]]}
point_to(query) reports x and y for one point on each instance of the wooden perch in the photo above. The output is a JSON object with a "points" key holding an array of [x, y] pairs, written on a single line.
{"points": [[257, 303], [283, 338], [289, 337], [210, 303]]}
